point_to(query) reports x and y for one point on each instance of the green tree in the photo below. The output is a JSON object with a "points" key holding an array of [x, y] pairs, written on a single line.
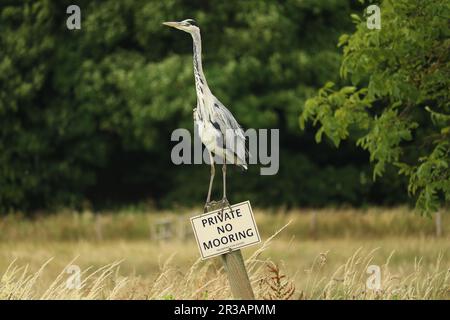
{"points": [[397, 106], [87, 114]]}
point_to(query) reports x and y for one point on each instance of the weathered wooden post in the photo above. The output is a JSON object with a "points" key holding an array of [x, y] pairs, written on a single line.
{"points": [[162, 230], [234, 266]]}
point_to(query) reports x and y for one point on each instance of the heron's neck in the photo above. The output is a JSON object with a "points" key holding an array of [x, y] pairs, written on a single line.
{"points": [[200, 81]]}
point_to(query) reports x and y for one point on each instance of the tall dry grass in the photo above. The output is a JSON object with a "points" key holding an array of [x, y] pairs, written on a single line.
{"points": [[18, 283], [208, 281]]}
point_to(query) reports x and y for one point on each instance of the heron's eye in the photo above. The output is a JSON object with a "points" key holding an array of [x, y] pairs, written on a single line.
{"points": [[191, 22]]}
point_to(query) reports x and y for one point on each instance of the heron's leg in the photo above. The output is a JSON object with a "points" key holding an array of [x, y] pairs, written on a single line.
{"points": [[224, 199], [224, 173], [211, 179]]}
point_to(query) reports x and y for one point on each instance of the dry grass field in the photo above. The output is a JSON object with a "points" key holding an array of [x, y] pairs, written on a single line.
{"points": [[133, 254]]}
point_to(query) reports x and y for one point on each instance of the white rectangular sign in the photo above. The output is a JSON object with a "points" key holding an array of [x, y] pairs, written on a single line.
{"points": [[220, 232]]}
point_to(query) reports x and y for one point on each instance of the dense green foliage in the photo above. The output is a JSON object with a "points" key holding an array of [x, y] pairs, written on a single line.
{"points": [[86, 115], [398, 107]]}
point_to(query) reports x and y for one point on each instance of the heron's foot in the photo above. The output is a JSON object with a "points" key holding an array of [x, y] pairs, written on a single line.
{"points": [[224, 203], [210, 206], [214, 205]]}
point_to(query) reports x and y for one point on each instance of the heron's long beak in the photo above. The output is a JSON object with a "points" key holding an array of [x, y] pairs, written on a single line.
{"points": [[172, 24]]}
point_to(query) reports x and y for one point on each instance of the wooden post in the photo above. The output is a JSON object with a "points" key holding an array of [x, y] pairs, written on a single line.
{"points": [[234, 266], [162, 230]]}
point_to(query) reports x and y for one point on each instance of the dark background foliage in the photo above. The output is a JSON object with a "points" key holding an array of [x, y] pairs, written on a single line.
{"points": [[86, 115]]}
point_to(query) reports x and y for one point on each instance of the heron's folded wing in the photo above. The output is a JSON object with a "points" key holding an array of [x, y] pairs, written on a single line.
{"points": [[231, 130]]}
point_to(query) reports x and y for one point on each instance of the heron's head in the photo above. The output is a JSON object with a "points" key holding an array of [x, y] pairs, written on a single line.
{"points": [[188, 25]]}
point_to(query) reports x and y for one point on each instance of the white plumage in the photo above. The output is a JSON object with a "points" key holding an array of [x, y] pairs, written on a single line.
{"points": [[220, 138]]}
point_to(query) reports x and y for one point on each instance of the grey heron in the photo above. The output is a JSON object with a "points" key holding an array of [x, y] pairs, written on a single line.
{"points": [[218, 129]]}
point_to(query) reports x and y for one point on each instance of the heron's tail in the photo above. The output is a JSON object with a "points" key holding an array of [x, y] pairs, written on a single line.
{"points": [[240, 163]]}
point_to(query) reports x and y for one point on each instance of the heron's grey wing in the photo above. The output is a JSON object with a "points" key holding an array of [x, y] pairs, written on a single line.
{"points": [[231, 130]]}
